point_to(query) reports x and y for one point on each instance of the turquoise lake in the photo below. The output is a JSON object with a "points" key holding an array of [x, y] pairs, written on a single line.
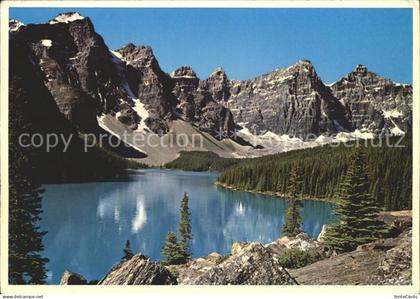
{"points": [[89, 223]]}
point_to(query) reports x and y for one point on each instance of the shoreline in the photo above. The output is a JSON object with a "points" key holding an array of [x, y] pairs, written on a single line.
{"points": [[270, 193]]}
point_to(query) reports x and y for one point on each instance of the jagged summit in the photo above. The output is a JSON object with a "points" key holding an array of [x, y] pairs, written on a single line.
{"points": [[128, 47], [66, 17], [218, 71], [132, 53], [304, 62], [15, 25], [184, 72], [361, 69], [129, 87]]}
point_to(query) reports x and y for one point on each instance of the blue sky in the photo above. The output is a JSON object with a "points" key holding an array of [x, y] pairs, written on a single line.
{"points": [[250, 42]]}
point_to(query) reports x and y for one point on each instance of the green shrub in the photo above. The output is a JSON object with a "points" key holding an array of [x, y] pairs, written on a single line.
{"points": [[222, 258], [174, 271], [297, 258]]}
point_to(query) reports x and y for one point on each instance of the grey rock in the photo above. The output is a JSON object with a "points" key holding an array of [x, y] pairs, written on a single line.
{"points": [[149, 82], [370, 264], [249, 264], [371, 99], [395, 268], [139, 270], [78, 69], [71, 278], [291, 101], [202, 102]]}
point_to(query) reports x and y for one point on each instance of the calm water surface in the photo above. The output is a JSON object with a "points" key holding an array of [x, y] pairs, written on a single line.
{"points": [[88, 224]]}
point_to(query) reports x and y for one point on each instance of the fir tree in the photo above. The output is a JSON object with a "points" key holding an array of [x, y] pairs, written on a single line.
{"points": [[185, 226], [293, 219], [356, 208], [172, 250], [26, 265], [128, 254]]}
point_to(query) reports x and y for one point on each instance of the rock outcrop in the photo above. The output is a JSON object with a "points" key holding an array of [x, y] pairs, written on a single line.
{"points": [[139, 270], [375, 103], [71, 278], [201, 102], [396, 267], [249, 264], [77, 67], [291, 101], [386, 261], [150, 84]]}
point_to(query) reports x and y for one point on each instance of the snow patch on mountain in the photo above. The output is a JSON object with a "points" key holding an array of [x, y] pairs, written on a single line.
{"points": [[101, 122], [66, 18], [397, 131], [274, 143], [392, 113], [117, 58], [15, 25], [143, 113], [46, 42]]}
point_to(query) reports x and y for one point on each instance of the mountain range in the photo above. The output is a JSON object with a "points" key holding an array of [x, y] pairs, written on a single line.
{"points": [[74, 74]]}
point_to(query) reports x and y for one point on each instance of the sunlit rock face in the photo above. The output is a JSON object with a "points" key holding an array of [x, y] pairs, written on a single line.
{"points": [[139, 270], [291, 101], [376, 103], [88, 81]]}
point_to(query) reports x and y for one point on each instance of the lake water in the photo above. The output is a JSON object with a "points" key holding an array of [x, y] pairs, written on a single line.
{"points": [[88, 224]]}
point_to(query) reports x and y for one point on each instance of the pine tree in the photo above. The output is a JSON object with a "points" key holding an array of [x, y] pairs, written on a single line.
{"points": [[128, 254], [185, 226], [172, 250], [293, 219], [26, 265], [356, 209]]}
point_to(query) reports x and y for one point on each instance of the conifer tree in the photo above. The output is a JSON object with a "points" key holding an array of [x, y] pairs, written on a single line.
{"points": [[128, 254], [356, 209], [185, 226], [26, 265], [293, 219], [172, 250]]}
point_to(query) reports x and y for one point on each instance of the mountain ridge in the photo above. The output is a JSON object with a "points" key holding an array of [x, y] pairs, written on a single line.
{"points": [[89, 81]]}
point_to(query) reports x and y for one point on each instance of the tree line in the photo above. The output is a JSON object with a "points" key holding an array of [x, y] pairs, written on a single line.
{"points": [[356, 208], [389, 172]]}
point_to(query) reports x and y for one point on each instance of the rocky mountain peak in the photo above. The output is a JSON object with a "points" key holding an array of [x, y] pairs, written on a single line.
{"points": [[137, 55], [184, 72], [303, 66], [67, 17], [15, 25], [219, 72], [361, 70], [378, 104], [304, 62]]}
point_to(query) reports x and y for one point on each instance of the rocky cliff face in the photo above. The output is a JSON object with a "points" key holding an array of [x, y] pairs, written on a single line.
{"points": [[291, 101], [89, 82], [77, 67], [201, 102], [249, 264], [139, 270], [375, 103]]}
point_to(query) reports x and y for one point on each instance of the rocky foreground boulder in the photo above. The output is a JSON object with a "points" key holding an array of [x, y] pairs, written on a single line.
{"points": [[383, 262], [395, 268], [139, 270], [71, 278], [249, 264]]}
